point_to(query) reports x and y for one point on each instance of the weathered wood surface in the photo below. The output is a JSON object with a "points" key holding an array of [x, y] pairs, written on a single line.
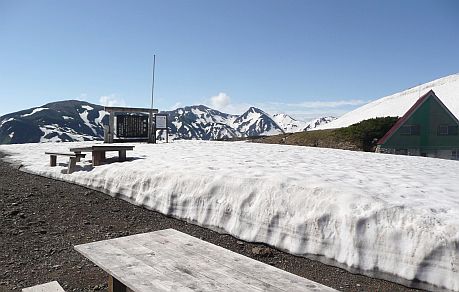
{"points": [[102, 148], [98, 152], [48, 287], [168, 260], [66, 154]]}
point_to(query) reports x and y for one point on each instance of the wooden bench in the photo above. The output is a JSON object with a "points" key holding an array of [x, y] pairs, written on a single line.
{"points": [[98, 152], [168, 260], [73, 159], [48, 287]]}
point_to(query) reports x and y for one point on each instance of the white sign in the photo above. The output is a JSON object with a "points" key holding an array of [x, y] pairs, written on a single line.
{"points": [[160, 122]]}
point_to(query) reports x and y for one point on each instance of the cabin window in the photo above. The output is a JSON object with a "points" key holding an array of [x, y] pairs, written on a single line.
{"points": [[401, 151], [455, 154], [410, 130], [446, 130]]}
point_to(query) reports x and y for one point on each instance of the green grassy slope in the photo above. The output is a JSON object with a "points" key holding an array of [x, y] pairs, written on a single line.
{"points": [[360, 137]]}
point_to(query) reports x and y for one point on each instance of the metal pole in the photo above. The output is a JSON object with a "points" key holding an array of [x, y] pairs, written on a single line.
{"points": [[153, 81], [152, 137]]}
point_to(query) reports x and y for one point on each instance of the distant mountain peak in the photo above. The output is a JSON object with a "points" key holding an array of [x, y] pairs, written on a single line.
{"points": [[73, 120]]}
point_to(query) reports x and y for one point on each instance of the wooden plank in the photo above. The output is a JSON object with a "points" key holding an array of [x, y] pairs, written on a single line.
{"points": [[190, 272], [237, 264], [48, 287], [102, 148], [65, 154], [128, 270], [169, 256], [113, 147], [81, 149]]}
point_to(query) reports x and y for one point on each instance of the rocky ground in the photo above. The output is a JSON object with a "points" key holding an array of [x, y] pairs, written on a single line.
{"points": [[42, 219]]}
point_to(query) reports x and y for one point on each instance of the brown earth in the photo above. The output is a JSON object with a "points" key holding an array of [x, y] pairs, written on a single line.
{"points": [[42, 219]]}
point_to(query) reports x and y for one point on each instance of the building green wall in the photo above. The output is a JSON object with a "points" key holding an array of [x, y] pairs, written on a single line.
{"points": [[428, 116]]}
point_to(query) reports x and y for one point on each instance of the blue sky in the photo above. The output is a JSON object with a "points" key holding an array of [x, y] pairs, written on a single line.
{"points": [[305, 58]]}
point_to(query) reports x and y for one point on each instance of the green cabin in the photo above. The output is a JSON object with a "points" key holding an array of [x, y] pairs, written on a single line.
{"points": [[427, 129]]}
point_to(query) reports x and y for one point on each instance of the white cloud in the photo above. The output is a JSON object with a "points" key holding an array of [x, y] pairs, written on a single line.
{"points": [[82, 96], [111, 100], [329, 104], [220, 101], [176, 105]]}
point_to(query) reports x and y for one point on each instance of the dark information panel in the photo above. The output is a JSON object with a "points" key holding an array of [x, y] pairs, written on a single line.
{"points": [[129, 126]]}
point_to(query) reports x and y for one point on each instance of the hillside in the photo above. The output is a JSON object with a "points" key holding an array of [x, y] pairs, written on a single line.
{"points": [[360, 137], [64, 121], [395, 105]]}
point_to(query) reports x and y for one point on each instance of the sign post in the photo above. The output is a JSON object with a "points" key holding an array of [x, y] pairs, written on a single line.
{"points": [[161, 124], [130, 125]]}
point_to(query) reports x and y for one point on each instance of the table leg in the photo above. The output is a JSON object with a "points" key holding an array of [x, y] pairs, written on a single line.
{"points": [[96, 158], [72, 164], [122, 155], [52, 160], [115, 286]]}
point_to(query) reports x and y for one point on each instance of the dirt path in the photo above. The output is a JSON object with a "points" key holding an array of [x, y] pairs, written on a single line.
{"points": [[42, 219]]}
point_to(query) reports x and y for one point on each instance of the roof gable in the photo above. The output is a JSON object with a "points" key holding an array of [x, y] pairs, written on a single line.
{"points": [[412, 110]]}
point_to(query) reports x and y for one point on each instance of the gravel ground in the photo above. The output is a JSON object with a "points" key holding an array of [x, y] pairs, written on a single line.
{"points": [[42, 219]]}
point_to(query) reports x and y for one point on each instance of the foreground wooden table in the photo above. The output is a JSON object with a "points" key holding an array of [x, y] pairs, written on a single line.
{"points": [[98, 152], [48, 287], [168, 260]]}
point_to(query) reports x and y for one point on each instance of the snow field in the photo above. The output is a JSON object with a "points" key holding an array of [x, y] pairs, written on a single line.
{"points": [[395, 214], [446, 89]]}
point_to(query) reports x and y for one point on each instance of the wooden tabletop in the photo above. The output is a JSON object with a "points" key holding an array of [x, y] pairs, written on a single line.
{"points": [[48, 287], [102, 148], [169, 260]]}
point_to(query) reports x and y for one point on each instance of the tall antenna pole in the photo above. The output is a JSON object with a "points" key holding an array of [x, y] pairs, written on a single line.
{"points": [[151, 129], [153, 81]]}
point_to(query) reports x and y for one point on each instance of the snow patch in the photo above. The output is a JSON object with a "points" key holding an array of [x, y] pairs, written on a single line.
{"points": [[6, 121], [394, 214], [34, 111], [84, 117], [99, 119], [54, 133]]}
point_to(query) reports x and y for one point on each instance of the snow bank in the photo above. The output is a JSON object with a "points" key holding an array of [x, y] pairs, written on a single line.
{"points": [[396, 105], [376, 212]]}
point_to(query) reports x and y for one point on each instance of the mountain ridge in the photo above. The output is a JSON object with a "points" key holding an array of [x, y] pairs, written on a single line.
{"points": [[73, 120]]}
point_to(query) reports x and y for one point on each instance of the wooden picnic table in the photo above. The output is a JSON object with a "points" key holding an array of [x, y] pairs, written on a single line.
{"points": [[98, 152], [169, 260]]}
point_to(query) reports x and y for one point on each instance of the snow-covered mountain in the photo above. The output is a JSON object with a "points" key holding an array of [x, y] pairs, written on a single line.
{"points": [[290, 125], [256, 122], [200, 122], [80, 121], [446, 88], [70, 120]]}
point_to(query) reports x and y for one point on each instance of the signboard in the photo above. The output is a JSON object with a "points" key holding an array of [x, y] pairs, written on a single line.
{"points": [[132, 126], [161, 122]]}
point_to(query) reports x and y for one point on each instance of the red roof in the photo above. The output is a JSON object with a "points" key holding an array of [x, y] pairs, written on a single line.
{"points": [[405, 117]]}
